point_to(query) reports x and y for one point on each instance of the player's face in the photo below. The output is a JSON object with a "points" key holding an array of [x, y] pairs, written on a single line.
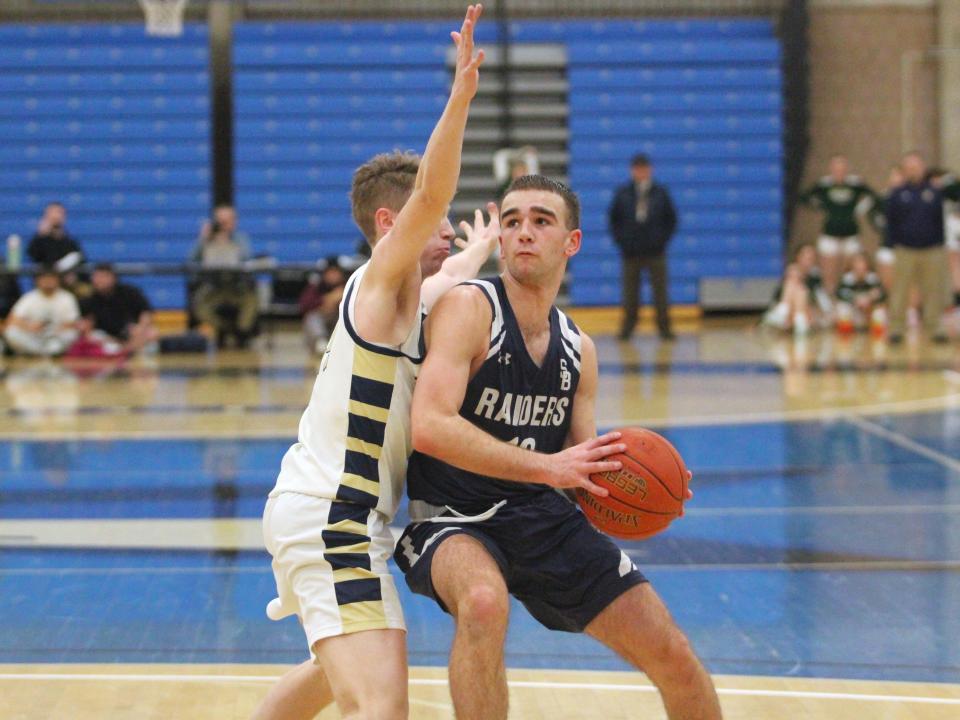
{"points": [[437, 249], [535, 241], [839, 168], [48, 283], [859, 266], [103, 281], [913, 168]]}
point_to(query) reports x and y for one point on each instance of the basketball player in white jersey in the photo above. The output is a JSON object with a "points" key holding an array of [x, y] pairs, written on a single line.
{"points": [[326, 521]]}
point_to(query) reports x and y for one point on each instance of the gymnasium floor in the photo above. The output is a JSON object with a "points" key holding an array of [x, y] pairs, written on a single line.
{"points": [[816, 570]]}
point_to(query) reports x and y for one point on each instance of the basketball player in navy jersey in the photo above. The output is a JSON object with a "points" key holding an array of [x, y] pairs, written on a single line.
{"points": [[509, 378], [326, 521]]}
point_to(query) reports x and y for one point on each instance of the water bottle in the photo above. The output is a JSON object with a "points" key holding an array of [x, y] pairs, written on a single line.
{"points": [[13, 252]]}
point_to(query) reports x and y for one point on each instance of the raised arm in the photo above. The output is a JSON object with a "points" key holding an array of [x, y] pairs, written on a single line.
{"points": [[397, 255], [458, 332], [481, 240]]}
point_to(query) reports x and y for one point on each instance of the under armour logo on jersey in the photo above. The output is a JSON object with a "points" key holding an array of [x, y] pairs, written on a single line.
{"points": [[503, 358], [565, 376]]}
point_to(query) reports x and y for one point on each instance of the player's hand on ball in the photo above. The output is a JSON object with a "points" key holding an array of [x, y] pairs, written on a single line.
{"points": [[572, 468]]}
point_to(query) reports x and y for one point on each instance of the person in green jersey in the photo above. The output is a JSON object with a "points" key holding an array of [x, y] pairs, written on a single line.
{"points": [[844, 199]]}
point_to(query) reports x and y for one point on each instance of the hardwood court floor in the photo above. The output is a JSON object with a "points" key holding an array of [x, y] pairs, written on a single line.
{"points": [[816, 570]]}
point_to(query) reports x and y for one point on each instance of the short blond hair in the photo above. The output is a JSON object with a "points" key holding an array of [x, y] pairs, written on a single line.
{"points": [[384, 181]]}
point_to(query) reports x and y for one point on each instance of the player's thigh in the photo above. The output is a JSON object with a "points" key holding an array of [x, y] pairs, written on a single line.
{"points": [[467, 577], [639, 628], [367, 670]]}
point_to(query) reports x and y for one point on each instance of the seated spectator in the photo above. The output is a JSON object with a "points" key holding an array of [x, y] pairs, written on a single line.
{"points": [[118, 312], [861, 299], [226, 297], [9, 293], [45, 321], [52, 244], [799, 302], [319, 304]]}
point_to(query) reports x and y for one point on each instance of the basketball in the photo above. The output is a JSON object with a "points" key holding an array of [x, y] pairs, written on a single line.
{"points": [[646, 494]]}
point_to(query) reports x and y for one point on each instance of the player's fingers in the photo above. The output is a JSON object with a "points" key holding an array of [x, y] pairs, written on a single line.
{"points": [[604, 439], [594, 488], [478, 219], [599, 453], [460, 242], [465, 226], [602, 466], [478, 60]]}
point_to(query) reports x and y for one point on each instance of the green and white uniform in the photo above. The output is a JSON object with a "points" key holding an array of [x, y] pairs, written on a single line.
{"points": [[841, 204]]}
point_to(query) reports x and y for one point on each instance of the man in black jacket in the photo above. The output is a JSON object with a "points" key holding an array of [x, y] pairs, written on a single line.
{"points": [[642, 221], [52, 243]]}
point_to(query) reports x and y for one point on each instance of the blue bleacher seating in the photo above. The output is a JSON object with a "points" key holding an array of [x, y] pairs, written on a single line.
{"points": [[116, 125]]}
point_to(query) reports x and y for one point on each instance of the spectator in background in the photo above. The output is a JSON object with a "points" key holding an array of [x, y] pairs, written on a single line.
{"points": [[642, 221], [320, 302], [915, 231], [118, 311], [45, 321], [842, 197], [799, 302], [52, 244], [511, 163], [885, 257], [9, 293], [943, 179], [861, 299], [226, 297]]}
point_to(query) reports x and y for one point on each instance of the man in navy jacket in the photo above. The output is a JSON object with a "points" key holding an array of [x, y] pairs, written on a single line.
{"points": [[642, 221], [915, 231]]}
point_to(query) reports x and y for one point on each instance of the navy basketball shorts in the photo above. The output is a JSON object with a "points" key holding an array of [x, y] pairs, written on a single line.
{"points": [[563, 570]]}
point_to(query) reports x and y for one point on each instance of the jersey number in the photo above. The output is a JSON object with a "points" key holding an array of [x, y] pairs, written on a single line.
{"points": [[526, 443]]}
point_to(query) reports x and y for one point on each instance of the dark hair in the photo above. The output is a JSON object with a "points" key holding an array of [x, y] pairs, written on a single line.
{"points": [[640, 160], [45, 270], [104, 267], [541, 182]]}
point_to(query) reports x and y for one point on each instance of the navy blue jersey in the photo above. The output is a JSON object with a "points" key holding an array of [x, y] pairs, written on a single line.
{"points": [[511, 398]]}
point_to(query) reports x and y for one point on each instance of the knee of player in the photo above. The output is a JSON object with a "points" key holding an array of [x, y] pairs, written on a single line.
{"points": [[483, 606], [673, 654]]}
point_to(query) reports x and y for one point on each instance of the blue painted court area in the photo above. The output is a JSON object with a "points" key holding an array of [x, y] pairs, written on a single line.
{"points": [[828, 549]]}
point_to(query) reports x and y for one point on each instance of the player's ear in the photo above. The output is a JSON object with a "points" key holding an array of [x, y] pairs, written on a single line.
{"points": [[572, 243], [384, 218]]}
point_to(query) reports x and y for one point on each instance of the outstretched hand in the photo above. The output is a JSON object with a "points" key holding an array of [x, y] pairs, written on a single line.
{"points": [[466, 77], [481, 232]]}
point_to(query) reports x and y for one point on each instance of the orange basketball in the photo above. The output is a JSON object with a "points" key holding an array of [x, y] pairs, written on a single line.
{"points": [[646, 494]]}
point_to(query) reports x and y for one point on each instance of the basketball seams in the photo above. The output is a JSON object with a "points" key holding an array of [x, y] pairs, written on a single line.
{"points": [[656, 477]]}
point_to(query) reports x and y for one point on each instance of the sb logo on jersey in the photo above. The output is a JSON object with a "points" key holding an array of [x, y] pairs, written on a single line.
{"points": [[565, 377]]}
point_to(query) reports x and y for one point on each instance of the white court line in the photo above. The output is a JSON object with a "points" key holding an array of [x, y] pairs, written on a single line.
{"points": [[905, 442], [432, 682]]}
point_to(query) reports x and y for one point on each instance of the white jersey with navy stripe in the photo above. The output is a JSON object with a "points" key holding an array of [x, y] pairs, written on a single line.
{"points": [[513, 399], [354, 438]]}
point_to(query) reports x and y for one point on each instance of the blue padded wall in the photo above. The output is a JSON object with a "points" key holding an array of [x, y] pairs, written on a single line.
{"points": [[313, 101], [114, 124], [702, 98]]}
